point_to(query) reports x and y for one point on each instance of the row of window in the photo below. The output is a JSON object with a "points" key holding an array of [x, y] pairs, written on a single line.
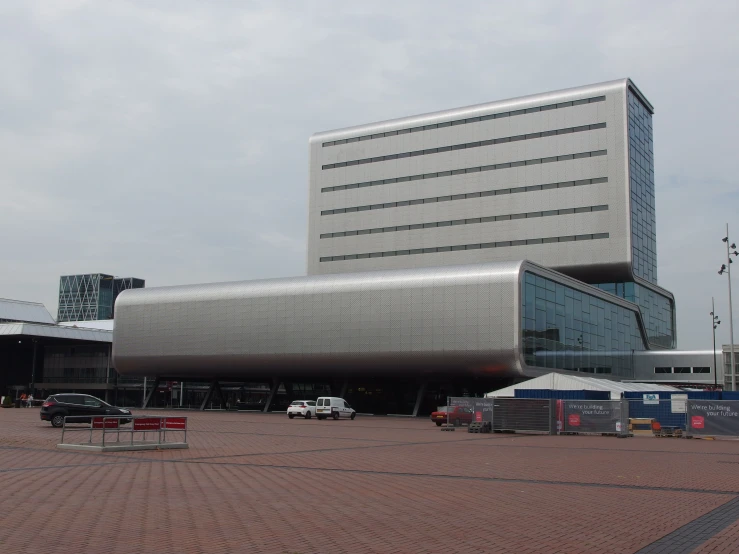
{"points": [[682, 370], [466, 121], [448, 198], [493, 167], [448, 223], [598, 370], [466, 145], [501, 244]]}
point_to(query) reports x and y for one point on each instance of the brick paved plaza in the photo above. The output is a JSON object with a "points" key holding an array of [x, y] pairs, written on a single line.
{"points": [[263, 483]]}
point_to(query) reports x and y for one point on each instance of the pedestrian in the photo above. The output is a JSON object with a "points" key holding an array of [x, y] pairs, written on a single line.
{"points": [[23, 399], [29, 401]]}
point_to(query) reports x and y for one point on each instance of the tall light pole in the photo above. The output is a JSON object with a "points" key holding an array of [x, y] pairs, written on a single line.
{"points": [[715, 323], [727, 268]]}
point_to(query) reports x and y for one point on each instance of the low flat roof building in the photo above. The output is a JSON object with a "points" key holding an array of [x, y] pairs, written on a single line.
{"points": [[18, 311]]}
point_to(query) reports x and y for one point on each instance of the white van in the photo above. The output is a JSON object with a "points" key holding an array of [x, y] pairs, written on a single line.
{"points": [[330, 406]]}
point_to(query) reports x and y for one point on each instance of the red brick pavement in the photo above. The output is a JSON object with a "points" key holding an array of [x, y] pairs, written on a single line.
{"points": [[263, 483], [725, 542]]}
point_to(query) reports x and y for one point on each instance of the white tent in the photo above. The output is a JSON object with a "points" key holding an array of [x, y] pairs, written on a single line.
{"points": [[557, 381]]}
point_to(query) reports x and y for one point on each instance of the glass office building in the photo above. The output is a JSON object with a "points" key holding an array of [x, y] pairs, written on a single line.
{"points": [[91, 296]]}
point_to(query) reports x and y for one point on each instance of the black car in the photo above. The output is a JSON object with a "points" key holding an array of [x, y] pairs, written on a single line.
{"points": [[78, 408]]}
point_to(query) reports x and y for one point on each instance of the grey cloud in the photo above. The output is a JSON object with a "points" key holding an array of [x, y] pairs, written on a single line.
{"points": [[168, 140]]}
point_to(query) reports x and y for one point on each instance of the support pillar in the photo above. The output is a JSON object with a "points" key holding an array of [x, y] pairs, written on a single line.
{"points": [[272, 393], [213, 390], [107, 376], [419, 398], [147, 396], [218, 392], [208, 395]]}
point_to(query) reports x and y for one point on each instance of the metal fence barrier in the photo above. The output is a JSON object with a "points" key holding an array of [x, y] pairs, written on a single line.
{"points": [[145, 432], [713, 418], [463, 410], [650, 414], [602, 417], [524, 414], [501, 414]]}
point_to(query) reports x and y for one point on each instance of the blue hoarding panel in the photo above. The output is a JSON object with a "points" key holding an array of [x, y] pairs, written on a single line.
{"points": [[660, 406], [704, 395]]}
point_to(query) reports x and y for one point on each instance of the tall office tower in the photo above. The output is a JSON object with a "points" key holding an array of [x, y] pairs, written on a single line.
{"points": [[91, 296], [564, 179]]}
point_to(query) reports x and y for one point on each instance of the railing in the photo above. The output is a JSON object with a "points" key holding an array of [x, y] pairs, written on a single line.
{"points": [[674, 415], [143, 425], [539, 415]]}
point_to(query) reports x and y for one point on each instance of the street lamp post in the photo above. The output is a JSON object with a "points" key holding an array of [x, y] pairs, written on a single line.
{"points": [[727, 268], [714, 323]]}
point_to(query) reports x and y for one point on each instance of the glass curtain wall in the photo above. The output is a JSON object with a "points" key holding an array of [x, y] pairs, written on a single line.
{"points": [[641, 184], [657, 311], [564, 328], [76, 364], [85, 297]]}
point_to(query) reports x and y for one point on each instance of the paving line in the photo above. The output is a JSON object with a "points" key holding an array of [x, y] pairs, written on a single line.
{"points": [[68, 466], [466, 477], [116, 455], [317, 450], [687, 538], [614, 450]]}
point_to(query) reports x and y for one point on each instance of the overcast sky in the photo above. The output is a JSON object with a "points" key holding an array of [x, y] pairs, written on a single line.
{"points": [[169, 140]]}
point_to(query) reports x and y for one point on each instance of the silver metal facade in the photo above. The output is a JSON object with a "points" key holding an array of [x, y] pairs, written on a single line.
{"points": [[462, 320], [685, 366], [553, 187]]}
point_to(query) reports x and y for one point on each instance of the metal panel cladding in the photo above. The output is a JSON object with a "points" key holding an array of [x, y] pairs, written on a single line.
{"points": [[414, 321], [542, 177]]}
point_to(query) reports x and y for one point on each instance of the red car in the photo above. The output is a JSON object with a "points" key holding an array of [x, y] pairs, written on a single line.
{"points": [[455, 415]]}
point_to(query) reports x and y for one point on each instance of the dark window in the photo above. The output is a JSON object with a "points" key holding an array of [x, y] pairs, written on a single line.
{"points": [[72, 399], [456, 247], [469, 170], [465, 145], [681, 370], [663, 370], [701, 370]]}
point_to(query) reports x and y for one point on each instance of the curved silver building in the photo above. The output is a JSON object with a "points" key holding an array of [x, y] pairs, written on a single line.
{"points": [[458, 320], [419, 232]]}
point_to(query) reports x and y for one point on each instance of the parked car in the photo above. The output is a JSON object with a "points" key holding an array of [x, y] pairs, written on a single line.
{"points": [[305, 408], [78, 408], [330, 406], [456, 415]]}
